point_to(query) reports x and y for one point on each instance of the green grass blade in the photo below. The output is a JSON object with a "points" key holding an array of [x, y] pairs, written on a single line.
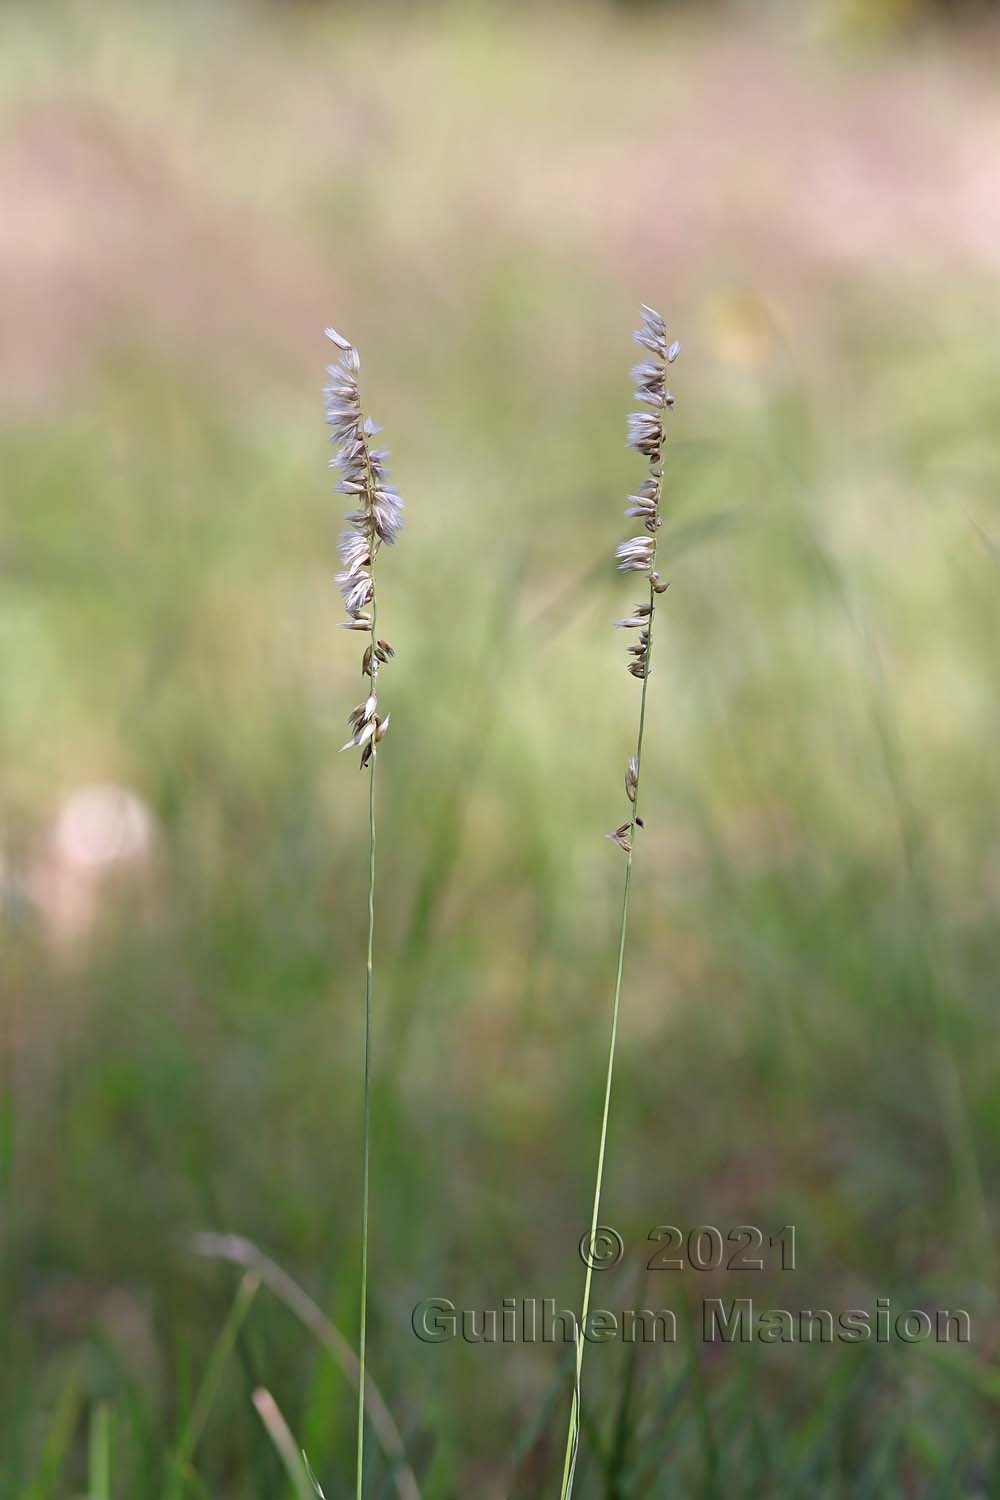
{"points": [[99, 1453], [209, 1389], [58, 1442], [280, 1434]]}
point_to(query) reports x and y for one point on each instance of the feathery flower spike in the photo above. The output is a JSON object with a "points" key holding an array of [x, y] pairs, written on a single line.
{"points": [[637, 554], [374, 520]]}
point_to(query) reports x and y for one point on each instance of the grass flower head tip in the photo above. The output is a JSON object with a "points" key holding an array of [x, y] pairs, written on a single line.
{"points": [[637, 554], [376, 517]]}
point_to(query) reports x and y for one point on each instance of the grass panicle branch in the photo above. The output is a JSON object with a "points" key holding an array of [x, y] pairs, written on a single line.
{"points": [[635, 555], [375, 519]]}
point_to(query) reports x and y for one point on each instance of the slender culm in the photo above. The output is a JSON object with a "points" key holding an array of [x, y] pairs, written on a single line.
{"points": [[636, 555], [376, 517]]}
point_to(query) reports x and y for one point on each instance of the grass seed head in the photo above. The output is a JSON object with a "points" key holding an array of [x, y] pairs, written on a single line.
{"points": [[637, 554], [376, 518]]}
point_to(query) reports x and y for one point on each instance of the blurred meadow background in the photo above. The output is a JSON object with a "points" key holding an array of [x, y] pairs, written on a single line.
{"points": [[480, 195]]}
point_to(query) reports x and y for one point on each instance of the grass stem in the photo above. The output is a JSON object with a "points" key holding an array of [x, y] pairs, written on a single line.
{"points": [[212, 1380], [573, 1435], [366, 1114], [99, 1454]]}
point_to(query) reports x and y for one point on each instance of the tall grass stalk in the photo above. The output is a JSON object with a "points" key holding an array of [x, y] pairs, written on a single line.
{"points": [[376, 518], [637, 555], [366, 1127]]}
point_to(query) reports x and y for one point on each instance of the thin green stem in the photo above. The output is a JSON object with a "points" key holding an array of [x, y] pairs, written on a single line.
{"points": [[209, 1389], [366, 1107], [573, 1435], [99, 1453]]}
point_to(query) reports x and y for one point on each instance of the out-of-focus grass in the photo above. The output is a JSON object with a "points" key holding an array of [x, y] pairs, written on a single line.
{"points": [[809, 1018]]}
